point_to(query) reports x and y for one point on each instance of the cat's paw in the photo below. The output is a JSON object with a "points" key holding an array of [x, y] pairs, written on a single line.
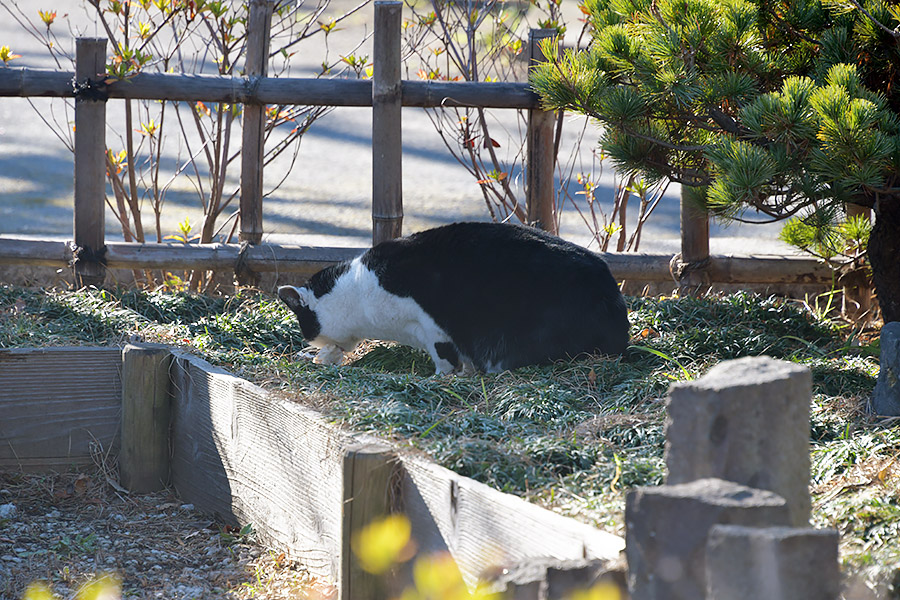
{"points": [[329, 355], [443, 368], [467, 369], [308, 353]]}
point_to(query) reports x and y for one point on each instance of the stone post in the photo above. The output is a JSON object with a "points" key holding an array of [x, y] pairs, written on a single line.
{"points": [[746, 421], [667, 527], [775, 563]]}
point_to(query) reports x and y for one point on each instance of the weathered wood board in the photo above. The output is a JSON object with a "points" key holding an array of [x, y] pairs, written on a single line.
{"points": [[255, 458], [305, 260], [485, 529], [24, 81], [251, 457], [56, 402]]}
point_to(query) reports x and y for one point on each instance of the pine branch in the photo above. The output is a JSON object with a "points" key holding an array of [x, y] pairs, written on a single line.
{"points": [[893, 32], [726, 123], [790, 28], [648, 138]]}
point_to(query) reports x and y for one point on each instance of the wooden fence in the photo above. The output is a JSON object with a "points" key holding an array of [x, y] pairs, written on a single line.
{"points": [[386, 93], [233, 449]]}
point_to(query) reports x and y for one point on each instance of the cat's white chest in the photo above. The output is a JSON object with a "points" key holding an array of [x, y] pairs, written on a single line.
{"points": [[358, 308]]}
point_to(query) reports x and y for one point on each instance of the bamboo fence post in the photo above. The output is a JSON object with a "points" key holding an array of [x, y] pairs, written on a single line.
{"points": [[259, 23], [541, 159], [89, 227], [368, 473], [144, 459], [694, 239], [387, 167]]}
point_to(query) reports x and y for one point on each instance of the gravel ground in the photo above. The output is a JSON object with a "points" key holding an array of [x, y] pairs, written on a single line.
{"points": [[66, 530]]}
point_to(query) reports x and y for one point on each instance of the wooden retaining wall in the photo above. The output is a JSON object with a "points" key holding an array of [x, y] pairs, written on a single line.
{"points": [[251, 456], [56, 403]]}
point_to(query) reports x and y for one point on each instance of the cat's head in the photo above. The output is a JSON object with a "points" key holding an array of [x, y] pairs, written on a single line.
{"points": [[303, 302]]}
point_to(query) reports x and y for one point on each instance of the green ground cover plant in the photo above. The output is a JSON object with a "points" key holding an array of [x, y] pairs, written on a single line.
{"points": [[573, 436]]}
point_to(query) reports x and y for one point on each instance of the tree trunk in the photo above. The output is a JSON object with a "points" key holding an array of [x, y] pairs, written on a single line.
{"points": [[884, 256]]}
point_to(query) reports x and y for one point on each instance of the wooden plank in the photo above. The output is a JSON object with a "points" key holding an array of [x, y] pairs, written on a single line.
{"points": [[256, 62], [306, 260], [24, 251], [540, 182], [56, 402], [303, 260], [387, 151], [433, 94], [144, 458], [368, 471], [25, 81], [251, 457], [768, 269], [484, 528], [90, 164]]}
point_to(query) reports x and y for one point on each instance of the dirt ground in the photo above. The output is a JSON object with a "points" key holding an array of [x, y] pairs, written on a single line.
{"points": [[64, 531]]}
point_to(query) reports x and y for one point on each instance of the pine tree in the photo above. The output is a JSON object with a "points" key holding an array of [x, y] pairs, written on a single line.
{"points": [[787, 107]]}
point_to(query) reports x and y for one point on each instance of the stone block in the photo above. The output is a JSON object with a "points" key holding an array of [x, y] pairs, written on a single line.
{"points": [[775, 563], [667, 527], [746, 421], [886, 399], [544, 578]]}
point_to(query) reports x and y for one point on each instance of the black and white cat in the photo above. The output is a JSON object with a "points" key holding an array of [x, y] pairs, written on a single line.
{"points": [[484, 296]]}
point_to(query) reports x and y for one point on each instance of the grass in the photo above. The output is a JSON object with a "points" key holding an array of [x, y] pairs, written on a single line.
{"points": [[572, 436]]}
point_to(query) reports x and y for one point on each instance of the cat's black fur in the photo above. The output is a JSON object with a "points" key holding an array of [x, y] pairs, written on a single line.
{"points": [[505, 296]]}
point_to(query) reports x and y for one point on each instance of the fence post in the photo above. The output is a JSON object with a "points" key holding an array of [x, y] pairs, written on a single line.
{"points": [[368, 470], [144, 458], [694, 238], [540, 197], [259, 22], [387, 166], [89, 227]]}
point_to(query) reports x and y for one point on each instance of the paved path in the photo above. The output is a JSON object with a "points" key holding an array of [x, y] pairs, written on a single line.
{"points": [[326, 197]]}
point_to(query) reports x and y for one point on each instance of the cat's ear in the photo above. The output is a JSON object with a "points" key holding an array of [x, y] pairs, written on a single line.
{"points": [[296, 298]]}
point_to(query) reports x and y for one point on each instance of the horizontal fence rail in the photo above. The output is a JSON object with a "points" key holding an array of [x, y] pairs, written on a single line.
{"points": [[28, 82], [307, 260]]}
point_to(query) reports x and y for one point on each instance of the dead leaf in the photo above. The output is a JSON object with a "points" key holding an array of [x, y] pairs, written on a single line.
{"points": [[80, 485]]}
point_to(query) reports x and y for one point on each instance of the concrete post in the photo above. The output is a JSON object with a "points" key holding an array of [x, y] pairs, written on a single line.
{"points": [[667, 528], [775, 563], [746, 421]]}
